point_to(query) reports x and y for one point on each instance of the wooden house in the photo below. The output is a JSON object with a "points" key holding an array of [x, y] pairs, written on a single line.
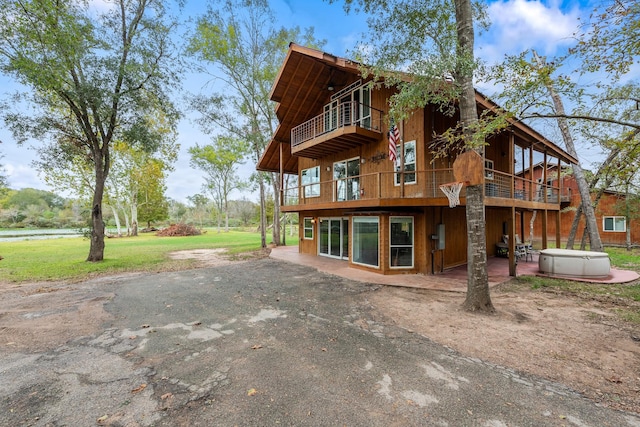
{"points": [[611, 217], [356, 205]]}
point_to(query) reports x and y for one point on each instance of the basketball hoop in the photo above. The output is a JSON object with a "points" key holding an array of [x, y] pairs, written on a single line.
{"points": [[452, 191]]}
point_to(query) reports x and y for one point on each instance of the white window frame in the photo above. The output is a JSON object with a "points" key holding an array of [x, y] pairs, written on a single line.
{"points": [[401, 158], [488, 169], [355, 239], [307, 224], [409, 245], [615, 219], [310, 182], [342, 184]]}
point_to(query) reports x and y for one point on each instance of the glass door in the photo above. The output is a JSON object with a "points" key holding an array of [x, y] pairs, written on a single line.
{"points": [[346, 176], [334, 238]]}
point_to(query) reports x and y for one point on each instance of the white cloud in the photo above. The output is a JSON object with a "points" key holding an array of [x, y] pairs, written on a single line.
{"points": [[518, 25]]}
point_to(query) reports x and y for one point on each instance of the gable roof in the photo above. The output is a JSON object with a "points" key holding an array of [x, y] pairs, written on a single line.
{"points": [[300, 91]]}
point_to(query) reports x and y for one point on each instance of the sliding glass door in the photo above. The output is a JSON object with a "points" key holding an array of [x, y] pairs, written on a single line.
{"points": [[334, 237]]}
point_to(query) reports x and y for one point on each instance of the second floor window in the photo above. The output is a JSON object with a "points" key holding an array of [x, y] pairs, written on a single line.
{"points": [[346, 176], [407, 162], [310, 180]]}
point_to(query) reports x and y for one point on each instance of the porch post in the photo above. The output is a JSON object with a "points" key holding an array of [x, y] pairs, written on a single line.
{"points": [[281, 178], [545, 243], [512, 242], [511, 169], [544, 178], [558, 225]]}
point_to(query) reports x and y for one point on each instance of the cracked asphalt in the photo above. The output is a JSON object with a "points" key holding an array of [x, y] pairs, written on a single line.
{"points": [[258, 343]]}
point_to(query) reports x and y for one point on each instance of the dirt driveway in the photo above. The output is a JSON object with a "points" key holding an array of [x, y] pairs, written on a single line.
{"points": [[564, 338], [574, 341]]}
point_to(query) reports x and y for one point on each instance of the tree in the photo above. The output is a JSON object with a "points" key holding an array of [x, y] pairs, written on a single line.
{"points": [[200, 208], [432, 40], [244, 210], [137, 181], [219, 162], [539, 88], [3, 178], [240, 41], [90, 72]]}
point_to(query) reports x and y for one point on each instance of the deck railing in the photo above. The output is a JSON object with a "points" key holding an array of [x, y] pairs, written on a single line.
{"points": [[420, 184], [350, 113]]}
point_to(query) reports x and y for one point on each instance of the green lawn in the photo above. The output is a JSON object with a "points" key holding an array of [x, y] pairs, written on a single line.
{"points": [[64, 258]]}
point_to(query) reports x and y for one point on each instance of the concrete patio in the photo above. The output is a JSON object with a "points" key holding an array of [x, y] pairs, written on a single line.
{"points": [[452, 280]]}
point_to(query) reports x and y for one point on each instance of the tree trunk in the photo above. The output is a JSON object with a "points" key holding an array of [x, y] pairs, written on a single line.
{"points": [[226, 214], [478, 298], [574, 228], [117, 219], [134, 214], [627, 216], [581, 180], [96, 249]]}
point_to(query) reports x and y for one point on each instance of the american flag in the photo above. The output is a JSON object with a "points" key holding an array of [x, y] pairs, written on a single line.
{"points": [[394, 137]]}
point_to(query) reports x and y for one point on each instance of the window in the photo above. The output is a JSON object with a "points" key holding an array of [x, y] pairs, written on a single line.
{"points": [[346, 176], [488, 169], [409, 159], [401, 242], [614, 223], [365, 240], [308, 228], [311, 181]]}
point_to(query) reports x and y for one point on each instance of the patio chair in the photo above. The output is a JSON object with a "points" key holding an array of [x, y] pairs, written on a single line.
{"points": [[523, 249]]}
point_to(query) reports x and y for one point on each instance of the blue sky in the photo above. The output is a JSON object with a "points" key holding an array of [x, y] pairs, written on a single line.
{"points": [[516, 25]]}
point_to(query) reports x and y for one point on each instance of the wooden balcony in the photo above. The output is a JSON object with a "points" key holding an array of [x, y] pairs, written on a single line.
{"points": [[421, 188], [347, 125]]}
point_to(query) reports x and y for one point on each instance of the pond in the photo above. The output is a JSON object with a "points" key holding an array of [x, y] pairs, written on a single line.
{"points": [[12, 235]]}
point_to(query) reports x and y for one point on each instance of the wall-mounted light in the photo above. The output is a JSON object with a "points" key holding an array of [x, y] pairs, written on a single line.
{"points": [[362, 161], [313, 220], [328, 168], [330, 87]]}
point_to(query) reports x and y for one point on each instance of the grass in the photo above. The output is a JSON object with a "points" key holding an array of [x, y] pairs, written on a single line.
{"points": [[64, 258], [625, 296]]}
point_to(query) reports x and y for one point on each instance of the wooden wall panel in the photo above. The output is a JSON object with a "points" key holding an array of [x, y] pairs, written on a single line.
{"points": [[497, 223], [455, 252]]}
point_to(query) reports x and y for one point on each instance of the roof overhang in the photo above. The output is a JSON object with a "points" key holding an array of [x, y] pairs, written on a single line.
{"points": [[301, 88]]}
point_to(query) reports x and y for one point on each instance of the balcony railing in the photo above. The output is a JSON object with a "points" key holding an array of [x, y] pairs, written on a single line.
{"points": [[420, 184], [345, 114]]}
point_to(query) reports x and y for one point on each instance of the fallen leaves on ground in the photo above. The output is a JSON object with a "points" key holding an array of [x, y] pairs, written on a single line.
{"points": [[139, 388]]}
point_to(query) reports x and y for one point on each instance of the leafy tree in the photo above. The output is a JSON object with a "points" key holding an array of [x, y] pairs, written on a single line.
{"points": [[610, 39], [240, 41], [3, 178], [177, 211], [540, 88], [90, 72], [200, 208], [219, 161], [151, 202], [137, 182], [243, 209], [433, 41]]}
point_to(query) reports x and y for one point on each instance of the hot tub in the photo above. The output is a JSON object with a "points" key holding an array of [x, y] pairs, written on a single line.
{"points": [[566, 262]]}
